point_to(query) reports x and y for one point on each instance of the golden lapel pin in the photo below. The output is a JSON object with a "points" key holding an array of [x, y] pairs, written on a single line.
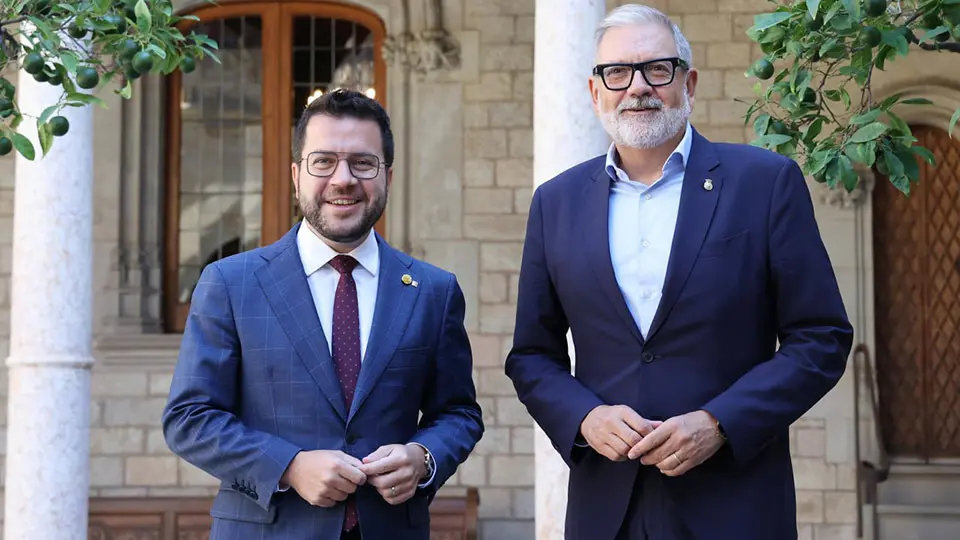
{"points": [[406, 279], [708, 184]]}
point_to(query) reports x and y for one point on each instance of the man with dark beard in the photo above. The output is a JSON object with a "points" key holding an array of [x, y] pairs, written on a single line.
{"points": [[677, 264], [326, 379]]}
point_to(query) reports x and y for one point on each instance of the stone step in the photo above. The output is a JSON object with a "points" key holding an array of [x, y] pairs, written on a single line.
{"points": [[910, 522], [922, 485]]}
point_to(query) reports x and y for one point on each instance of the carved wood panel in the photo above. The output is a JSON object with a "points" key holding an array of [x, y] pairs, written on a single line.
{"points": [[917, 297]]}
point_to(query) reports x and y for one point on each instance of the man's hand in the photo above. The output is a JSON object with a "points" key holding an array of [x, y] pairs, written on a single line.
{"points": [[395, 470], [613, 430], [324, 477], [680, 443]]}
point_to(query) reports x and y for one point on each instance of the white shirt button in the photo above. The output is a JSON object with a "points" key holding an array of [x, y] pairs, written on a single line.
{"points": [[645, 243]]}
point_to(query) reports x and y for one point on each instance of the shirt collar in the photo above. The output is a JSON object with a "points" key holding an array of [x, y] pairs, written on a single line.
{"points": [[681, 153], [315, 253]]}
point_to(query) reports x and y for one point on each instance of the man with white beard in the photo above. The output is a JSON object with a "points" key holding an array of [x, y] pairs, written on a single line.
{"points": [[704, 311]]}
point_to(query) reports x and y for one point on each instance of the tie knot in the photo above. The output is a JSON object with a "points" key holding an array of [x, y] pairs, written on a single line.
{"points": [[343, 264]]}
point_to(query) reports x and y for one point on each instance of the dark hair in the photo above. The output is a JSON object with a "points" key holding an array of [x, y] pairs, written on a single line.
{"points": [[342, 103]]}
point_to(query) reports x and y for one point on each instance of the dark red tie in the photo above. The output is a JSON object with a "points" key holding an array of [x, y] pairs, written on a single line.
{"points": [[346, 346]]}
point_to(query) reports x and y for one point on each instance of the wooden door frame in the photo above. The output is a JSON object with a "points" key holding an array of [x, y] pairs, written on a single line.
{"points": [[276, 105]]}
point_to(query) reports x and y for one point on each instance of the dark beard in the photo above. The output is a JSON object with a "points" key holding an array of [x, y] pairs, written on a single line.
{"points": [[371, 214]]}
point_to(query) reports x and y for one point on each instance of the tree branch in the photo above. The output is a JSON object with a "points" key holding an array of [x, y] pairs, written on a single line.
{"points": [[949, 47], [16, 20]]}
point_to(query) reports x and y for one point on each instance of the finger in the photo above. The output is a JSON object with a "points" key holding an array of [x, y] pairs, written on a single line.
{"points": [[681, 470], [379, 454], [387, 481], [617, 444], [636, 422], [351, 473], [627, 434], [664, 451], [652, 440], [668, 463], [324, 502], [611, 453], [384, 465], [337, 493], [350, 460]]}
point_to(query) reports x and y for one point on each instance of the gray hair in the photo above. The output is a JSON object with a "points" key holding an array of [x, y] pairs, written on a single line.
{"points": [[631, 14]]}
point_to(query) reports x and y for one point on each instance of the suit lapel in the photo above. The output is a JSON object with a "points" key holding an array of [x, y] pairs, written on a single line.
{"points": [[285, 285], [596, 245], [394, 305], [697, 206]]}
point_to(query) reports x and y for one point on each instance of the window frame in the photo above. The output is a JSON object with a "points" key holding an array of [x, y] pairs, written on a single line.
{"points": [[277, 17]]}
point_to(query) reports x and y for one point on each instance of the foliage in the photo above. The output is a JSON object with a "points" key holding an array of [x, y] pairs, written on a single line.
{"points": [[82, 46], [819, 108]]}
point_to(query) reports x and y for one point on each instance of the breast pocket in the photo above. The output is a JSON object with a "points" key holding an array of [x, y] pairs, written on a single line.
{"points": [[731, 245]]}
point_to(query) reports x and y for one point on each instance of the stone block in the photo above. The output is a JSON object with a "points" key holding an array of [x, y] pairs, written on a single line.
{"points": [[495, 440], [488, 406], [478, 172], [701, 113], [712, 28], [494, 28], [511, 471], [452, 14], [742, 23], [132, 412], [522, 442], [501, 256], [735, 85], [744, 6], [521, 199], [841, 506], [727, 112], [108, 441], [507, 529], [493, 288], [506, 57], [475, 115], [809, 506], [473, 472], [156, 443], [118, 384], [494, 503], [514, 289], [125, 492], [485, 143], [524, 504], [106, 471], [499, 227], [839, 440], [691, 6], [729, 55], [461, 257], [523, 86], [159, 384], [804, 532], [498, 7], [517, 172], [438, 173], [811, 443], [492, 87], [193, 476], [494, 382], [813, 473], [511, 114], [835, 532], [510, 412], [151, 471], [487, 201], [486, 351], [525, 29], [520, 143], [497, 318]]}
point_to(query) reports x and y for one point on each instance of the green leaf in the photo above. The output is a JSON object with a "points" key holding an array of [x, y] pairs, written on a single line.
{"points": [[891, 100], [924, 154], [812, 7], [126, 91], [853, 8], [953, 122], [897, 124], [24, 146], [869, 132], [864, 153], [86, 99], [866, 117], [812, 130], [144, 20], [157, 51], [894, 166], [46, 138], [47, 113], [766, 20], [930, 34], [773, 139], [832, 49], [70, 61], [772, 35], [845, 96], [917, 101], [848, 176], [951, 2], [761, 124], [909, 161]]}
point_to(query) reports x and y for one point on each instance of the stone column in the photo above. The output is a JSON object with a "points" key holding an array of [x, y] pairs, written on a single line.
{"points": [[50, 334], [566, 132]]}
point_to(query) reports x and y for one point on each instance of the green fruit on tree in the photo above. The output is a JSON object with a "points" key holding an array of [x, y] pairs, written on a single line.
{"points": [[41, 77], [142, 62], [763, 69], [809, 95], [5, 104], [875, 8], [117, 21], [6, 113], [56, 79], [76, 32], [5, 146], [87, 77], [128, 49], [188, 64], [813, 24], [871, 36], [33, 63], [59, 126], [778, 127]]}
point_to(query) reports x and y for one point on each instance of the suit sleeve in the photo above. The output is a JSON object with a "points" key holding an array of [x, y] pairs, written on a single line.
{"points": [[814, 333], [539, 363], [199, 422], [451, 423]]}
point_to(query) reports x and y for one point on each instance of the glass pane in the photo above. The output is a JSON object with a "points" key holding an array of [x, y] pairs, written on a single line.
{"points": [[221, 152], [341, 56]]}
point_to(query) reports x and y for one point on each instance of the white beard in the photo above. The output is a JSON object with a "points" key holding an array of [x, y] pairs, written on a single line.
{"points": [[649, 131]]}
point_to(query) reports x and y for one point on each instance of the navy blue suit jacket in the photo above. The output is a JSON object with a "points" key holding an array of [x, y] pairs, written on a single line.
{"points": [[255, 384], [747, 268]]}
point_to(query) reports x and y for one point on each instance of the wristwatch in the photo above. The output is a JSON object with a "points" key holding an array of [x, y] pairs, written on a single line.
{"points": [[428, 462]]}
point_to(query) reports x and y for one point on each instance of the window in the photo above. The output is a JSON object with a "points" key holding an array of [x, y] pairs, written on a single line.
{"points": [[230, 126]]}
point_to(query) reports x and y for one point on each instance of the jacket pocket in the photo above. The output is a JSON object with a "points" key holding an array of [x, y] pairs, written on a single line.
{"points": [[717, 248]]}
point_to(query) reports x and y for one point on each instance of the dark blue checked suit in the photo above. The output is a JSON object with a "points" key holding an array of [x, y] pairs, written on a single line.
{"points": [[255, 384]]}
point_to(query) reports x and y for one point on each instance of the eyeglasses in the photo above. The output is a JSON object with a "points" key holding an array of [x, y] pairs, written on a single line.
{"points": [[323, 164], [619, 76]]}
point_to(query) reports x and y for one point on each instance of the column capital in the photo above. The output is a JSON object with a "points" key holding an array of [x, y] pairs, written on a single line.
{"points": [[427, 50], [839, 197]]}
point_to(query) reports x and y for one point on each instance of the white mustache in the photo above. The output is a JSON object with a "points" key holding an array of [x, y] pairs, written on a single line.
{"points": [[640, 103]]}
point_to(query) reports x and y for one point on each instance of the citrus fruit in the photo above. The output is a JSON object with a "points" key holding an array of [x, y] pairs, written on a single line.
{"points": [[188, 64], [117, 21], [871, 36], [778, 127], [763, 69], [59, 126], [33, 63], [128, 48], [874, 8], [56, 79], [142, 62], [76, 32], [5, 146], [813, 24], [809, 95], [87, 77], [41, 77]]}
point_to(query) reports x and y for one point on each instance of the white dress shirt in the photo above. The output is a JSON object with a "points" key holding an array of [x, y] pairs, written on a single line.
{"points": [[323, 278]]}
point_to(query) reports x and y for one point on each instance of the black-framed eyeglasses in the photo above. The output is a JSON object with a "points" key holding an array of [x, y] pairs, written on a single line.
{"points": [[619, 76], [362, 166]]}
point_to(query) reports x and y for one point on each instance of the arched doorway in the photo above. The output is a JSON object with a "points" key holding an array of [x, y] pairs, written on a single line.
{"points": [[917, 306]]}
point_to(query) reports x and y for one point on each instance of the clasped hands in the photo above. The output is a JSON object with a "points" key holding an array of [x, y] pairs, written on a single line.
{"points": [[674, 446], [327, 477]]}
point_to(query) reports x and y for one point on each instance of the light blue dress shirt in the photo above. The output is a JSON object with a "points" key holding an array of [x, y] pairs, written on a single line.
{"points": [[642, 220]]}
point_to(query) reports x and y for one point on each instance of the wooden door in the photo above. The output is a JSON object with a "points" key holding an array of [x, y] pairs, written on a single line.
{"points": [[917, 296]]}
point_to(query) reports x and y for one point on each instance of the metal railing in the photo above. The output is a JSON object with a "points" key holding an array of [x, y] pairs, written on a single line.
{"points": [[869, 474]]}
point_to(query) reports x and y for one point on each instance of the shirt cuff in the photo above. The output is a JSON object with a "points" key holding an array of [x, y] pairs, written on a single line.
{"points": [[433, 466]]}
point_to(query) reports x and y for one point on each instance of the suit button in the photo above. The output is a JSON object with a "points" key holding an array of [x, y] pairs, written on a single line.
{"points": [[647, 356]]}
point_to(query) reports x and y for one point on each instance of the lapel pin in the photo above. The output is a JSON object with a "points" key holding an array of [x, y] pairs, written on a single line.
{"points": [[708, 184], [406, 279]]}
